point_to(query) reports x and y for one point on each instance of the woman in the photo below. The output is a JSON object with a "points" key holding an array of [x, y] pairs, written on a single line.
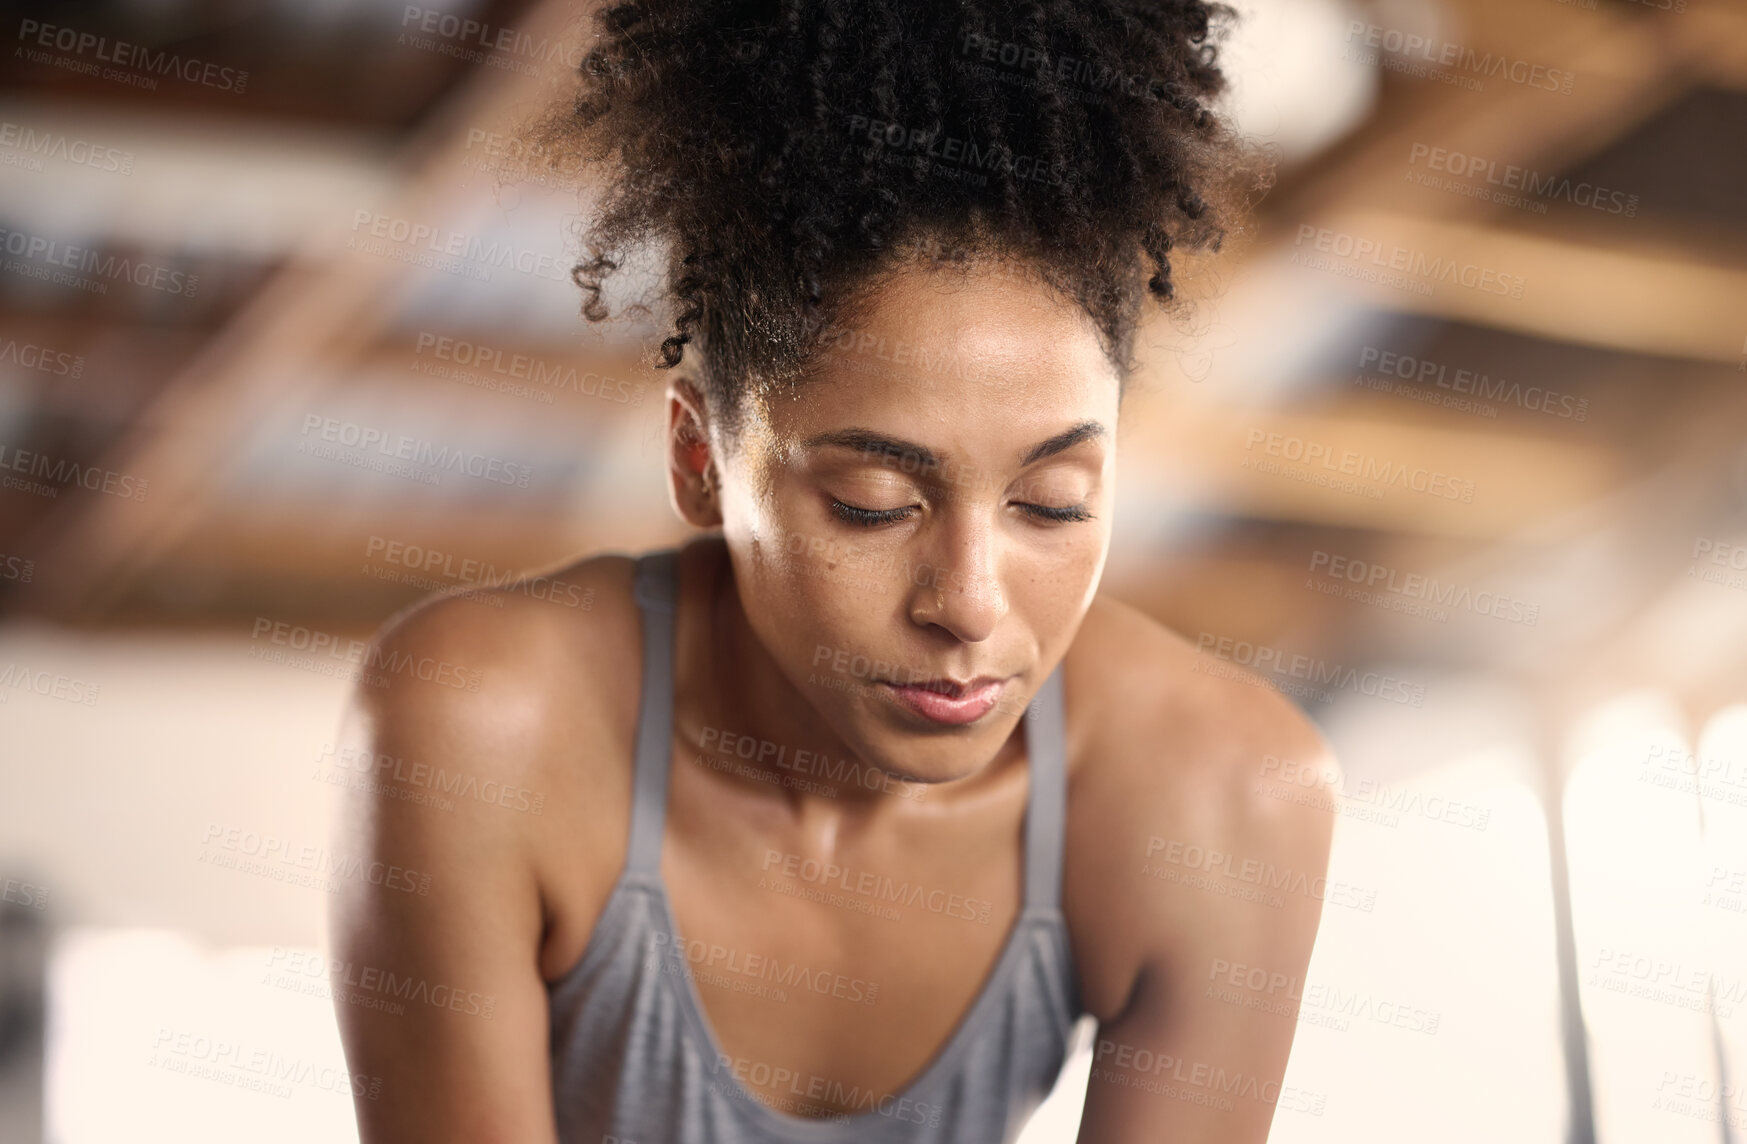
{"points": [[854, 803]]}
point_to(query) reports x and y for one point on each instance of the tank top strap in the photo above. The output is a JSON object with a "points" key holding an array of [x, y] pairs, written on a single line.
{"points": [[1046, 801], [656, 587]]}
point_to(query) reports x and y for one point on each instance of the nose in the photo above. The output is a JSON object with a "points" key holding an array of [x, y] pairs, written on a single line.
{"points": [[959, 588]]}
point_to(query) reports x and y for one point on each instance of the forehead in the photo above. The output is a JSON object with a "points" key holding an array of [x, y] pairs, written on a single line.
{"points": [[946, 353]]}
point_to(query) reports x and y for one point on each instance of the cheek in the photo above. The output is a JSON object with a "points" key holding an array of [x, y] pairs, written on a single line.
{"points": [[838, 584], [806, 574], [812, 616], [785, 550], [1054, 591]]}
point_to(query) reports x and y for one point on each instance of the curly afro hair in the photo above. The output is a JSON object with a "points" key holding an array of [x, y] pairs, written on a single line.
{"points": [[784, 154]]}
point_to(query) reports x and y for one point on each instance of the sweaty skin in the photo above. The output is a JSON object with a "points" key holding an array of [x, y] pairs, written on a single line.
{"points": [[977, 415]]}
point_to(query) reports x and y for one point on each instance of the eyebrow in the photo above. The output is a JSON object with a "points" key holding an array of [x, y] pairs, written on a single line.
{"points": [[867, 441]]}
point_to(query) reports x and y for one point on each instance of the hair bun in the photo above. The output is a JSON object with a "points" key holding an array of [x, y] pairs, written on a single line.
{"points": [[783, 153]]}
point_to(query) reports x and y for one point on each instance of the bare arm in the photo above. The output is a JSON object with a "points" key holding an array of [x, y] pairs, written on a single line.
{"points": [[1226, 896], [437, 989]]}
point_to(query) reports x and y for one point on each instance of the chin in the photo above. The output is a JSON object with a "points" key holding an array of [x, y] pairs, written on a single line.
{"points": [[912, 750], [913, 770]]}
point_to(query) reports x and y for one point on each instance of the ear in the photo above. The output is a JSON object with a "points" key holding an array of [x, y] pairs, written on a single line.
{"points": [[693, 482]]}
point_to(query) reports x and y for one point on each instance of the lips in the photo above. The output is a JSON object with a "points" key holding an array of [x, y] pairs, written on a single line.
{"points": [[948, 700], [951, 688]]}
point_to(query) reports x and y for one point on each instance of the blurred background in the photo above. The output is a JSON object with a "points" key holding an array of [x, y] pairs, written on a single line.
{"points": [[1453, 452]]}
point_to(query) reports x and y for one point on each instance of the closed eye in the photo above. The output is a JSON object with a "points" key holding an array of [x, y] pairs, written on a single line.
{"points": [[869, 517], [1059, 515], [874, 517]]}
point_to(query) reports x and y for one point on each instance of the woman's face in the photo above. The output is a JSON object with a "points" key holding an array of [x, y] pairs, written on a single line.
{"points": [[931, 510]]}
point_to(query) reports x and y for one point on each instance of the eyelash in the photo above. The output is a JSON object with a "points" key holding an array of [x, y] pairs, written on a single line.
{"points": [[1060, 515], [868, 517], [872, 518]]}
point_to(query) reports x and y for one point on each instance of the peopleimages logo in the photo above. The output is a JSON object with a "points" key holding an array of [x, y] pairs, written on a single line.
{"points": [[416, 450], [1433, 373], [1257, 872], [477, 253], [423, 563], [476, 361], [103, 50], [24, 893], [1321, 672], [840, 771], [1415, 263], [256, 853], [951, 152], [710, 956], [29, 355], [16, 677], [812, 1088], [35, 253], [38, 145], [477, 41], [1369, 577], [867, 883], [1423, 52], [1510, 177], [345, 977], [1090, 76], [223, 1060], [384, 769], [1381, 471], [355, 654], [1319, 1003], [16, 568], [64, 474], [1195, 1081]]}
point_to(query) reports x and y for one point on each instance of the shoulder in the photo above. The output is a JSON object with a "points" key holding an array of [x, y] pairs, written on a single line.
{"points": [[1174, 760], [500, 680], [1162, 715], [467, 651]]}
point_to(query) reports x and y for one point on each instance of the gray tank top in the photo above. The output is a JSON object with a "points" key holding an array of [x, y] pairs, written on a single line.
{"points": [[634, 1061]]}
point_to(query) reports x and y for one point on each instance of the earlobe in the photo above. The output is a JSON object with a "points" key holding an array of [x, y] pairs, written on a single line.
{"points": [[693, 480], [693, 497]]}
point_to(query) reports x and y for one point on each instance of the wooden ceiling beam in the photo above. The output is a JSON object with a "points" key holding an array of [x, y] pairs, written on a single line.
{"points": [[1600, 288], [321, 304]]}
